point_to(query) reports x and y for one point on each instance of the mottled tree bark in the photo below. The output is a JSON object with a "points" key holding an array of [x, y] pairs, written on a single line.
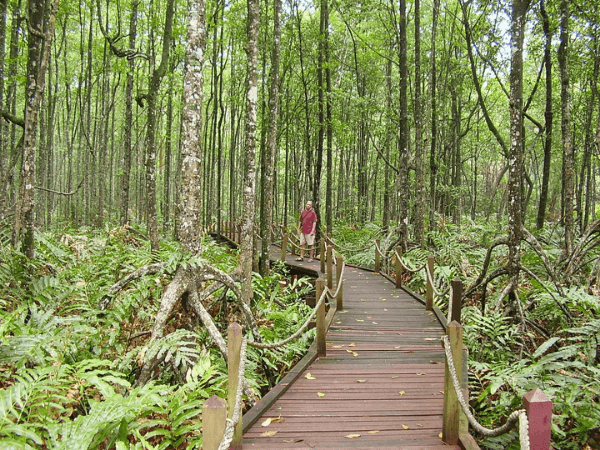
{"points": [[420, 175], [567, 144], [249, 186], [41, 30], [403, 129], [271, 148], [190, 209]]}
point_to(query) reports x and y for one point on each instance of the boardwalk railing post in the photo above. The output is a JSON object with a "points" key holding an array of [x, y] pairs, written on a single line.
{"points": [[321, 347], [451, 419], [539, 412], [329, 266], [399, 267], [234, 345], [284, 241], [322, 253], [339, 283], [457, 289], [214, 413], [377, 256], [429, 300]]}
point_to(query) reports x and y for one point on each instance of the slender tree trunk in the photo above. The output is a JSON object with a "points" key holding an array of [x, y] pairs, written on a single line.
{"points": [[548, 115], [568, 151], [190, 208], [516, 160], [271, 148], [3, 127], [153, 90], [250, 152], [328, 124], [41, 31], [403, 132], [420, 176]]}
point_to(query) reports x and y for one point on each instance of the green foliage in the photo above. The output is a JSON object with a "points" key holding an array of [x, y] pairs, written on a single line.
{"points": [[68, 368]]}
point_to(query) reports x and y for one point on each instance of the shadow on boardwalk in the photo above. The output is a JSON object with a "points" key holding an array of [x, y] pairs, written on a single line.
{"points": [[380, 385]]}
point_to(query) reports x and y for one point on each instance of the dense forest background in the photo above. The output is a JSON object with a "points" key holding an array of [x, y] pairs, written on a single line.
{"points": [[467, 129]]}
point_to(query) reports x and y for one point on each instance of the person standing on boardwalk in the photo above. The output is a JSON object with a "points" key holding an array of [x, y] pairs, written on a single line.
{"points": [[307, 229]]}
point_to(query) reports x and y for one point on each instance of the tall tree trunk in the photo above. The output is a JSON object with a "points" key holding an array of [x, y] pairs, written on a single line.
{"points": [[567, 144], [515, 178], [271, 148], [249, 187], [403, 132], [328, 124], [420, 180], [166, 209], [190, 208], [41, 30], [127, 150], [3, 127], [153, 89], [548, 115]]}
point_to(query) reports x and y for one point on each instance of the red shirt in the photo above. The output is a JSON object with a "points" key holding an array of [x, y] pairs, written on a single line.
{"points": [[307, 219]]}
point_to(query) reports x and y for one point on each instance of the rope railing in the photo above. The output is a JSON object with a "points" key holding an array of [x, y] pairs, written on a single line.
{"points": [[221, 432]]}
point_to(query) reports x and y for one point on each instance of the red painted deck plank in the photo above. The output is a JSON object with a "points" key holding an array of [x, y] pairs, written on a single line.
{"points": [[382, 378]]}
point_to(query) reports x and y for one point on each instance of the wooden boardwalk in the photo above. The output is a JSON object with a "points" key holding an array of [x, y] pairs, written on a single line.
{"points": [[379, 387]]}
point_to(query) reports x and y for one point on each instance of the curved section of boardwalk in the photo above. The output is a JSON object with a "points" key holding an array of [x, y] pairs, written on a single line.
{"points": [[380, 385]]}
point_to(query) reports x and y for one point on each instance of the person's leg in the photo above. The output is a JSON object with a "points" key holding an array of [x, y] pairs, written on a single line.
{"points": [[312, 251], [302, 246]]}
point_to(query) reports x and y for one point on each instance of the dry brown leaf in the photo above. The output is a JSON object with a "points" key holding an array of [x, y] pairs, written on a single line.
{"points": [[359, 320], [353, 436], [419, 425], [432, 339], [361, 381], [337, 346], [399, 346], [351, 344], [292, 441], [320, 394], [269, 433], [402, 392], [349, 351], [355, 354], [406, 427], [440, 435], [375, 323], [373, 431], [421, 373], [267, 422], [308, 376]]}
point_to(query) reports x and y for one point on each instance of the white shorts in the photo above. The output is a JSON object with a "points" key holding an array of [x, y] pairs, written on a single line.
{"points": [[307, 239]]}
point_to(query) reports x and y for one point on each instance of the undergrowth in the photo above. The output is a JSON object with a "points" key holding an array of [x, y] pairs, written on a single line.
{"points": [[67, 369]]}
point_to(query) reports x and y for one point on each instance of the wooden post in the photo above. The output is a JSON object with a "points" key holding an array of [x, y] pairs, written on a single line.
{"points": [[284, 241], [322, 253], [234, 345], [539, 412], [464, 387], [399, 268], [329, 266], [377, 255], [339, 300], [451, 419], [214, 413], [321, 347], [457, 289], [429, 300]]}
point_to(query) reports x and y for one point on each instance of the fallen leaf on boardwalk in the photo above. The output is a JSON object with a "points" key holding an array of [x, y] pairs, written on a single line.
{"points": [[351, 344], [385, 309], [359, 320], [308, 376], [441, 392], [292, 441], [432, 339], [320, 394], [399, 346], [352, 436], [440, 435], [399, 334], [383, 299], [406, 427], [419, 425], [373, 431], [271, 420], [369, 317], [355, 354], [269, 433], [393, 378], [361, 381], [375, 323], [402, 392], [431, 314], [349, 351], [421, 373], [337, 346]]}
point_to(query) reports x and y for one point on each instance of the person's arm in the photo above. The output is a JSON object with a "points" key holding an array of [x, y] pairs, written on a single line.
{"points": [[314, 227]]}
